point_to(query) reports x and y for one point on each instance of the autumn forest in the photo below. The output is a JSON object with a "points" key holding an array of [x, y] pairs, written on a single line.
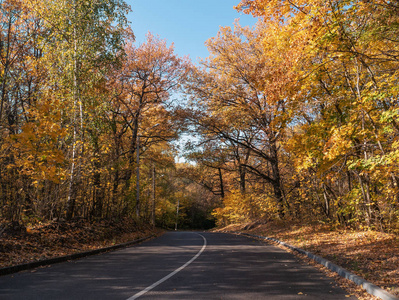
{"points": [[295, 119]]}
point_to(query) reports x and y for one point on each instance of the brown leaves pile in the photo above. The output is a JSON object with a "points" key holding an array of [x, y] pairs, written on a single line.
{"points": [[64, 238]]}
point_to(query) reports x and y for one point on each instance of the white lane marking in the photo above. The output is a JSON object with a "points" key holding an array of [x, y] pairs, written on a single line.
{"points": [[149, 288]]}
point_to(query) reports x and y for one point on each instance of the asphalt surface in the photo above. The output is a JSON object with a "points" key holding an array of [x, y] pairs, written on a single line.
{"points": [[178, 265]]}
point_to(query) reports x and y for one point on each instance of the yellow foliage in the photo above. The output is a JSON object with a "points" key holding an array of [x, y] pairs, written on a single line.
{"points": [[36, 150], [239, 208]]}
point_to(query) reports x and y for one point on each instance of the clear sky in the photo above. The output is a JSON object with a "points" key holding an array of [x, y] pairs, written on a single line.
{"points": [[186, 23]]}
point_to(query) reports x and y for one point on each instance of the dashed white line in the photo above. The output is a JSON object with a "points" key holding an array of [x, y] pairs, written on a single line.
{"points": [[149, 288]]}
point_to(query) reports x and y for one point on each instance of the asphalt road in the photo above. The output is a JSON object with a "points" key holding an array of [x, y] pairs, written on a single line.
{"points": [[178, 265]]}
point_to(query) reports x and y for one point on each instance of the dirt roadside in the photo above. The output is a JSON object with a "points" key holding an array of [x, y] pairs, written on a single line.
{"points": [[19, 244]]}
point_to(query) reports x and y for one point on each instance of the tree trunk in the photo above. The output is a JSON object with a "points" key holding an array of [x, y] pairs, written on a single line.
{"points": [[276, 183], [221, 183], [132, 151], [153, 196], [242, 171], [138, 179], [73, 185], [6, 68], [326, 201]]}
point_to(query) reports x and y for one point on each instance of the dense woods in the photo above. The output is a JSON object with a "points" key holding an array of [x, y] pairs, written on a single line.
{"points": [[86, 118], [297, 118], [294, 119]]}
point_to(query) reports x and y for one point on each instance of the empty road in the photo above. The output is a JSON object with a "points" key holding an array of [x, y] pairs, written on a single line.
{"points": [[178, 265]]}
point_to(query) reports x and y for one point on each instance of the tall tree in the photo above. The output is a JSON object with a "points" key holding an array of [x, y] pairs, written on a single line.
{"points": [[20, 78], [349, 108], [82, 40], [245, 94], [151, 72]]}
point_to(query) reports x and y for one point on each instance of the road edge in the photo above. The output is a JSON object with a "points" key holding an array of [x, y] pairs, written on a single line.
{"points": [[64, 258], [371, 288]]}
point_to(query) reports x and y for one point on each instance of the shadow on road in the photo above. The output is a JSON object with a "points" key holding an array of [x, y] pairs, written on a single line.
{"points": [[231, 267]]}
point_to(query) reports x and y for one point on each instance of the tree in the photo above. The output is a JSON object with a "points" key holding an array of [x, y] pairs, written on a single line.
{"points": [[151, 72], [20, 76], [82, 40], [348, 75], [245, 94]]}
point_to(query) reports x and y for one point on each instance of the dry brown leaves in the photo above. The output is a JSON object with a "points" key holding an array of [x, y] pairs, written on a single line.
{"points": [[62, 238]]}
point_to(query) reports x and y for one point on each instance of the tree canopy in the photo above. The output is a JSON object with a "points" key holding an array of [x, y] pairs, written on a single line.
{"points": [[296, 118]]}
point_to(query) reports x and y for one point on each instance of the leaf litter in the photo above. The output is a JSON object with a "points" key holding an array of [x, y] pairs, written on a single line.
{"points": [[19, 245]]}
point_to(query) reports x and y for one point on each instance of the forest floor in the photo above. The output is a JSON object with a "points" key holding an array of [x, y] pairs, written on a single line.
{"points": [[19, 244], [370, 254]]}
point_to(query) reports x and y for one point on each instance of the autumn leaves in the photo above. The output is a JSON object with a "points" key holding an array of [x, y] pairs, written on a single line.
{"points": [[299, 106], [295, 118], [77, 96]]}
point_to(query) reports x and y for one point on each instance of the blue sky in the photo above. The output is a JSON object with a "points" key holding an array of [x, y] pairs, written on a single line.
{"points": [[186, 23]]}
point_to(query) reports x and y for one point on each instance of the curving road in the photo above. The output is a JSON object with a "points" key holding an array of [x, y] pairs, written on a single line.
{"points": [[178, 265]]}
